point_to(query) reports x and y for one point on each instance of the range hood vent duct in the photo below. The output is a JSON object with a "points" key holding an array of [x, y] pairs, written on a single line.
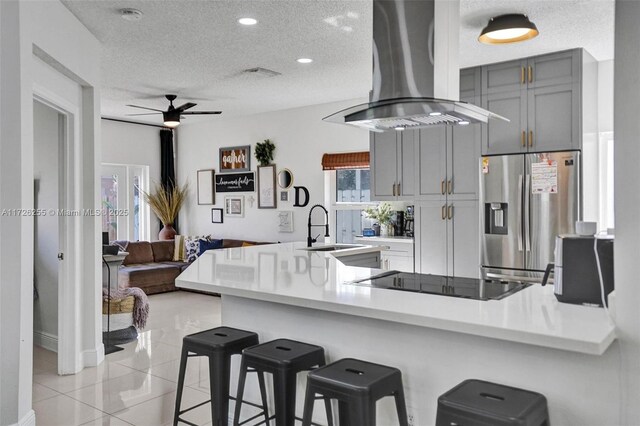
{"points": [[405, 74]]}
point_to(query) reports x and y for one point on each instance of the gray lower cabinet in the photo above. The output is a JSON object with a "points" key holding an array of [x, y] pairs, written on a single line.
{"points": [[392, 159], [448, 238]]}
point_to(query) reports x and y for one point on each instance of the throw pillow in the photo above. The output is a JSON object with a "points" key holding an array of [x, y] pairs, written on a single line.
{"points": [[178, 249], [191, 246], [205, 245]]}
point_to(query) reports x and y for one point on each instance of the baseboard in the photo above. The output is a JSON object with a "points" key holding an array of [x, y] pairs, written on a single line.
{"points": [[45, 340], [93, 357], [28, 420]]}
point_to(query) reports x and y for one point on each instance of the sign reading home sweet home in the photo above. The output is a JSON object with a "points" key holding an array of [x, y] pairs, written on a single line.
{"points": [[236, 182], [235, 159]]}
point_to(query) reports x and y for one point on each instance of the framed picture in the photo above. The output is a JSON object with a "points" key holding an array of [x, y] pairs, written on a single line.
{"points": [[285, 221], [235, 159], [267, 187], [284, 195], [216, 216], [234, 206], [236, 182], [206, 184]]}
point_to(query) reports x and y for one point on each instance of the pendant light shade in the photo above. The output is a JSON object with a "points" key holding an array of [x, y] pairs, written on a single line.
{"points": [[510, 28]]}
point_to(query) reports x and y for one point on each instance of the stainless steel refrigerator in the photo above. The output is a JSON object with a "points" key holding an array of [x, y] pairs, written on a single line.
{"points": [[527, 200]]}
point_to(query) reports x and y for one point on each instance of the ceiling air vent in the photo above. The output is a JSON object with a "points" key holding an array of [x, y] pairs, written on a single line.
{"points": [[260, 72]]}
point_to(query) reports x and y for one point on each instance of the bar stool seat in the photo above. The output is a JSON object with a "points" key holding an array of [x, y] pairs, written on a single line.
{"points": [[480, 403], [284, 359], [357, 385], [218, 344]]}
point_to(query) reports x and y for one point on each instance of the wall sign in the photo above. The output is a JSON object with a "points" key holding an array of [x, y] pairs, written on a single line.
{"points": [[205, 187], [298, 191], [236, 182], [235, 159], [267, 187]]}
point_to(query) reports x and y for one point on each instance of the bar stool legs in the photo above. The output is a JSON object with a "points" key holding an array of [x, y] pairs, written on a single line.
{"points": [[263, 395]]}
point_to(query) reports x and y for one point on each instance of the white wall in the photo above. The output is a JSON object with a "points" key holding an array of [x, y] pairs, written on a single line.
{"points": [[301, 138], [46, 138], [48, 30], [627, 204], [126, 143]]}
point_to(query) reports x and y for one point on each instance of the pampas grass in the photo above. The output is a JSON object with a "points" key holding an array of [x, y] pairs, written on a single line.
{"points": [[166, 202]]}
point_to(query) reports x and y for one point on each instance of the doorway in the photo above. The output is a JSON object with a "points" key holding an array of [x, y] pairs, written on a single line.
{"points": [[49, 134]]}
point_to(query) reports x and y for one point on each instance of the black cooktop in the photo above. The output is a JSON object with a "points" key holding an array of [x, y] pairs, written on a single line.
{"points": [[468, 288]]}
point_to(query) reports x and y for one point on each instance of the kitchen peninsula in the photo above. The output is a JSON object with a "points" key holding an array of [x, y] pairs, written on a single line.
{"points": [[527, 339]]}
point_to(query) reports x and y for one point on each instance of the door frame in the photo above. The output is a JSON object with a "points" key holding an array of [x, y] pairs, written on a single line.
{"points": [[69, 230]]}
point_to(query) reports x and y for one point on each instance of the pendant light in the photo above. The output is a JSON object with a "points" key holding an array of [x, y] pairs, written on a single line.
{"points": [[171, 118], [510, 28]]}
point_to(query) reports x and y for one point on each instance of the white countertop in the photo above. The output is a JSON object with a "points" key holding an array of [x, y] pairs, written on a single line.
{"points": [[398, 239], [285, 273]]}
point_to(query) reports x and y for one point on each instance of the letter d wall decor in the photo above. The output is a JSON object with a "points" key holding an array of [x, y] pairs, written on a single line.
{"points": [[305, 192]]}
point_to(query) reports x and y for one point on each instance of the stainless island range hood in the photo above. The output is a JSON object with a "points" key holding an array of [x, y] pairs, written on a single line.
{"points": [[415, 69]]}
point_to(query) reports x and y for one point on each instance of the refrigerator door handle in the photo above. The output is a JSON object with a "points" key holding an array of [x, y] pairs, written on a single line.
{"points": [[527, 213], [520, 213]]}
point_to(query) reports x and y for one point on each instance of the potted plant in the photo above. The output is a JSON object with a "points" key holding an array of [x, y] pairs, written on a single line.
{"points": [[165, 203], [264, 152], [381, 213]]}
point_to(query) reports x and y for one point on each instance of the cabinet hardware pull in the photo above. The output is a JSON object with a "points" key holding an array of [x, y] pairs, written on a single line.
{"points": [[449, 187], [530, 138], [399, 193], [524, 136], [442, 187], [530, 74], [521, 75], [450, 213], [444, 212], [394, 189]]}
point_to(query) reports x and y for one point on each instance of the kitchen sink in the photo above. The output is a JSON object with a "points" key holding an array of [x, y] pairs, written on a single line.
{"points": [[332, 247]]}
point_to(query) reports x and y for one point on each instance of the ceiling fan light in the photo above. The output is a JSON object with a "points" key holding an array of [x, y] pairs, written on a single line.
{"points": [[171, 119], [510, 28]]}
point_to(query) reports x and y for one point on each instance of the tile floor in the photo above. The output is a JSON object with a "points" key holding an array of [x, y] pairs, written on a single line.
{"points": [[135, 386]]}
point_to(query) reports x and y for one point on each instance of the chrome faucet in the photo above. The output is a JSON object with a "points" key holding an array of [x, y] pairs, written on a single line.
{"points": [[310, 240]]}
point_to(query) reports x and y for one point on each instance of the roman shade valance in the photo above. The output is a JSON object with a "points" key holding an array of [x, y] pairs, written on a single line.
{"points": [[346, 160]]}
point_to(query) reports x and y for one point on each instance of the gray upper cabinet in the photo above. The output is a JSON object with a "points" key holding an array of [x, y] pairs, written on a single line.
{"points": [[432, 163], [502, 137], [553, 118], [541, 96], [463, 159], [504, 77], [392, 160], [553, 69]]}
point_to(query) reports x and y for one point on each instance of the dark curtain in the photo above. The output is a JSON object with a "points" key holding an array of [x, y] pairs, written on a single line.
{"points": [[167, 165]]}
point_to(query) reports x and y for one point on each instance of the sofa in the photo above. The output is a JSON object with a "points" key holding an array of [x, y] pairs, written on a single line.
{"points": [[150, 265]]}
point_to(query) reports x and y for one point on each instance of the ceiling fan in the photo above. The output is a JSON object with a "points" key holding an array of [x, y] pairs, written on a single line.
{"points": [[172, 115]]}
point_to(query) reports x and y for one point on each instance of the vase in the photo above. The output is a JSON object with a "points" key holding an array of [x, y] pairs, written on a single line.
{"points": [[167, 232]]}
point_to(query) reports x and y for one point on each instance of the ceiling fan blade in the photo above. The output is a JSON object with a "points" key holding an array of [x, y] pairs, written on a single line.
{"points": [[150, 109], [200, 112], [148, 113], [186, 106]]}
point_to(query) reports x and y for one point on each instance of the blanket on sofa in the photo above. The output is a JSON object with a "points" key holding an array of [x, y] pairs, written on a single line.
{"points": [[140, 304]]}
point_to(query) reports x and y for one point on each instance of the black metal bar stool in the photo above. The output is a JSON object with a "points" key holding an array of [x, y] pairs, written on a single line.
{"points": [[480, 403], [357, 385], [284, 359], [219, 344]]}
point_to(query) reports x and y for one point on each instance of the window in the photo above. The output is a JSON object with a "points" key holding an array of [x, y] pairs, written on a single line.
{"points": [[350, 194], [121, 187]]}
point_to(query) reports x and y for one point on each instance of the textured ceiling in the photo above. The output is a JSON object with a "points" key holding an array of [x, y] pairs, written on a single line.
{"points": [[196, 48]]}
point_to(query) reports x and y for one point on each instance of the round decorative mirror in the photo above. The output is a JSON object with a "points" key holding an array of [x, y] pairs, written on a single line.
{"points": [[285, 179]]}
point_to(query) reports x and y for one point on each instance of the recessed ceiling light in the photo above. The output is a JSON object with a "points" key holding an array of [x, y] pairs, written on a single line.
{"points": [[247, 21], [304, 60], [129, 14], [510, 28]]}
